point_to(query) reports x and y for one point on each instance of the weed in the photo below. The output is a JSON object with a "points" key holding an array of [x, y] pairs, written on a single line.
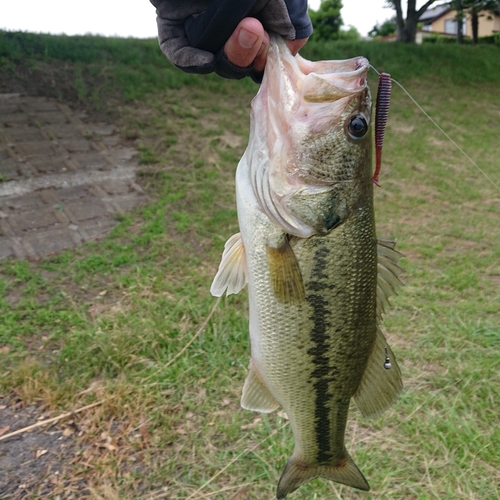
{"points": [[147, 156]]}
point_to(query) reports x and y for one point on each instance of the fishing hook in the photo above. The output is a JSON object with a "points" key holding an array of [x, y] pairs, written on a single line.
{"points": [[387, 363]]}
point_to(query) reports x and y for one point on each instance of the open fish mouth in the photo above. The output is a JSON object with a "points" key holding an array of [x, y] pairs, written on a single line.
{"points": [[306, 93], [328, 81], [313, 82], [300, 102]]}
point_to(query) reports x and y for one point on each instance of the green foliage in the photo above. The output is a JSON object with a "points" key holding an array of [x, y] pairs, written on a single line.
{"points": [[130, 68], [405, 62], [100, 65], [479, 5], [17, 46], [147, 156], [440, 39], [388, 27], [327, 20], [491, 40], [349, 35]]}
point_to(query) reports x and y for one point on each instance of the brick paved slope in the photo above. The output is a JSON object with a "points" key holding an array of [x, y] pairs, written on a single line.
{"points": [[62, 181]]}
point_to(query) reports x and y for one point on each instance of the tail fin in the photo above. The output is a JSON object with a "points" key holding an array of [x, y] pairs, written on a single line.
{"points": [[297, 473]]}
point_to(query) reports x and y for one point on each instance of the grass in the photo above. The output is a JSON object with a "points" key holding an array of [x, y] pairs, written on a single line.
{"points": [[105, 322], [100, 72], [446, 62]]}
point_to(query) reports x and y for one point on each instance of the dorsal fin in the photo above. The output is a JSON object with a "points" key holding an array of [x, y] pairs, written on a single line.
{"points": [[388, 271], [381, 382]]}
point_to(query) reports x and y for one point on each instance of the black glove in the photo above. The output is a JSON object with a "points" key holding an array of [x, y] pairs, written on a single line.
{"points": [[192, 34]]}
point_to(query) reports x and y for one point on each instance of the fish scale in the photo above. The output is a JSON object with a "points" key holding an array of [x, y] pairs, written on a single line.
{"points": [[337, 328], [308, 250]]}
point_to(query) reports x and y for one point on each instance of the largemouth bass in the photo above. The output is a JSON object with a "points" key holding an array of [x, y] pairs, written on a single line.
{"points": [[318, 278]]}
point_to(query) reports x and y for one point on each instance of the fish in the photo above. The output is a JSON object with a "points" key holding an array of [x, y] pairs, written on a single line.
{"points": [[318, 278]]}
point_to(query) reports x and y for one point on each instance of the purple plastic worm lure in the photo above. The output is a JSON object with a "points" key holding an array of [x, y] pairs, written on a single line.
{"points": [[381, 113]]}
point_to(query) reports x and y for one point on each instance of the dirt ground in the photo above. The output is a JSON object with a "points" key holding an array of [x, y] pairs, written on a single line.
{"points": [[31, 462]]}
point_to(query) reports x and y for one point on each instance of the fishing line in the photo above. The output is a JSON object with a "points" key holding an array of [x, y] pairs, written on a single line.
{"points": [[247, 450], [442, 131], [202, 327], [183, 350]]}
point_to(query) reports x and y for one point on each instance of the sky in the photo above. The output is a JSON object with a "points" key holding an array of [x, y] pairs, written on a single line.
{"points": [[136, 18]]}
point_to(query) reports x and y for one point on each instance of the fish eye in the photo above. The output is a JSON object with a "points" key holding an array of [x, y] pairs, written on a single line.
{"points": [[357, 126]]}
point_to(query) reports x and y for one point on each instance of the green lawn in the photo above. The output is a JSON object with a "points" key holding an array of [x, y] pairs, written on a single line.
{"points": [[106, 322]]}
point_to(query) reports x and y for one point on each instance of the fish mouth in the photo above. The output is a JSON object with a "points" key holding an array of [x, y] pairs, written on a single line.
{"points": [[307, 91], [298, 101], [329, 81]]}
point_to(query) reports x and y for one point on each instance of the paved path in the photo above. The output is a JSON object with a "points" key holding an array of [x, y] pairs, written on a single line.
{"points": [[62, 181]]}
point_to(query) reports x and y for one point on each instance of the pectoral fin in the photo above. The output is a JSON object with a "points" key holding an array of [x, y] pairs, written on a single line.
{"points": [[232, 274], [381, 382], [284, 272], [256, 396]]}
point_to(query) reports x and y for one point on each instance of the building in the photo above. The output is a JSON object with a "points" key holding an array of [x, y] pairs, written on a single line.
{"points": [[442, 21]]}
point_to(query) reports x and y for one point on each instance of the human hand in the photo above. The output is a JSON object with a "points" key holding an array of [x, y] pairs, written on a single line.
{"points": [[206, 36], [249, 44]]}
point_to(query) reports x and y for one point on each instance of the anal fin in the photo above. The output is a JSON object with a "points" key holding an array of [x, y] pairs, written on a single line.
{"points": [[381, 382], [256, 396]]}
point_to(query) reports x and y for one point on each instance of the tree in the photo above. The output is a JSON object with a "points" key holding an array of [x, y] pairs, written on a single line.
{"points": [[406, 29], [474, 8], [458, 4], [326, 20], [351, 34], [388, 27]]}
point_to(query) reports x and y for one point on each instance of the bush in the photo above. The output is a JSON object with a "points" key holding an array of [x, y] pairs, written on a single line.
{"points": [[444, 39], [490, 40], [484, 40]]}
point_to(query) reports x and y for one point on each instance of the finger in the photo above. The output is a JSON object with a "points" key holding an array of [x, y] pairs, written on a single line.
{"points": [[245, 43], [261, 57]]}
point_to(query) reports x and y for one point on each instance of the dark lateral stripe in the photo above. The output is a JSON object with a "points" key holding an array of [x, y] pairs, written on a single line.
{"points": [[321, 373]]}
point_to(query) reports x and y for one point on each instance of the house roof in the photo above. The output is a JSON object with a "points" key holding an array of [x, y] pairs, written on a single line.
{"points": [[431, 15]]}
